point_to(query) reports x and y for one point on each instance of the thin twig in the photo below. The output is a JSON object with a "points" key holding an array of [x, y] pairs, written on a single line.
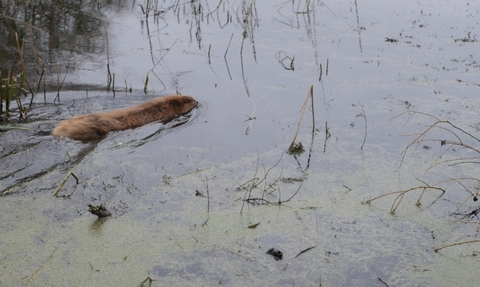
{"points": [[149, 280], [403, 191], [209, 49], [327, 136], [365, 134], [458, 243], [326, 71], [305, 250], [302, 111], [249, 192], [291, 197], [321, 72], [380, 279], [64, 181], [225, 56]]}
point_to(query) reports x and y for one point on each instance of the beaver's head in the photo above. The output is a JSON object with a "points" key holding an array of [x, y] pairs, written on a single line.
{"points": [[180, 104]]}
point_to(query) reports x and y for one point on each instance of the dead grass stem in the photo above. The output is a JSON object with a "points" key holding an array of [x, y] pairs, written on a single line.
{"points": [[291, 148], [451, 138]]}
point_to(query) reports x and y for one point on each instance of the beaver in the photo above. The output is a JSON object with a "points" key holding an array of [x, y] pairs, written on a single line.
{"points": [[95, 126]]}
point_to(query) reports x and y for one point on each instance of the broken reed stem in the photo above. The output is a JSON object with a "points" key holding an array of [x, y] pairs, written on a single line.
{"points": [[198, 35], [225, 56], [21, 51], [365, 134], [401, 194], [313, 109], [109, 75], [385, 283], [313, 130], [397, 202], [327, 136], [437, 124], [243, 70], [149, 280], [145, 89], [58, 85], [34, 275], [290, 66], [205, 183], [321, 72], [209, 49], [458, 243], [64, 181], [472, 195], [293, 195], [305, 250], [309, 95], [208, 198], [113, 85], [21, 111], [250, 25], [42, 75], [252, 186]]}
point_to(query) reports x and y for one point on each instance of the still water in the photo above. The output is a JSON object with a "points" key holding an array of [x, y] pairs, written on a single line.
{"points": [[186, 199]]}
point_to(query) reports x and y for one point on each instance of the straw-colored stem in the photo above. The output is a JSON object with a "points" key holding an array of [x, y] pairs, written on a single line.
{"points": [[310, 94]]}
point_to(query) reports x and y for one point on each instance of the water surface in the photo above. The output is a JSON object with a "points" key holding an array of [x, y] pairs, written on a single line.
{"points": [[367, 61]]}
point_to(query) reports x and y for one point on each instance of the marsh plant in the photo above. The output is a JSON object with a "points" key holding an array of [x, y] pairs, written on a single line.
{"points": [[267, 184], [11, 90], [458, 148]]}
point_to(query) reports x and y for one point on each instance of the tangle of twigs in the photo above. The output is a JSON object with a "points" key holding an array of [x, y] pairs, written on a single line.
{"points": [[266, 186], [451, 138]]}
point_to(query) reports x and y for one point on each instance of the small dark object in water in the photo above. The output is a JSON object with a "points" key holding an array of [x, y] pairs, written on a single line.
{"points": [[391, 40], [296, 148], [254, 225], [277, 254], [99, 211]]}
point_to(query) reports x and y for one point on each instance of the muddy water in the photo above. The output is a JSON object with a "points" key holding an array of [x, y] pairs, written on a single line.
{"points": [[367, 62]]}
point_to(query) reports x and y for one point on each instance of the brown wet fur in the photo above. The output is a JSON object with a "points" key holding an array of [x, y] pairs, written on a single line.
{"points": [[96, 125]]}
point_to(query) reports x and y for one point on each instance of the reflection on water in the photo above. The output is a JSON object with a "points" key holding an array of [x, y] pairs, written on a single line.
{"points": [[52, 34]]}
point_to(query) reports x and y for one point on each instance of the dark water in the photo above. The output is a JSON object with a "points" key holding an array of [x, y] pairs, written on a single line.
{"points": [[367, 62]]}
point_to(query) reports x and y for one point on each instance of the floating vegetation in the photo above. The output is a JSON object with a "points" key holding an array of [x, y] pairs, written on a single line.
{"points": [[277, 254], [451, 138], [267, 186], [12, 128], [99, 210]]}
